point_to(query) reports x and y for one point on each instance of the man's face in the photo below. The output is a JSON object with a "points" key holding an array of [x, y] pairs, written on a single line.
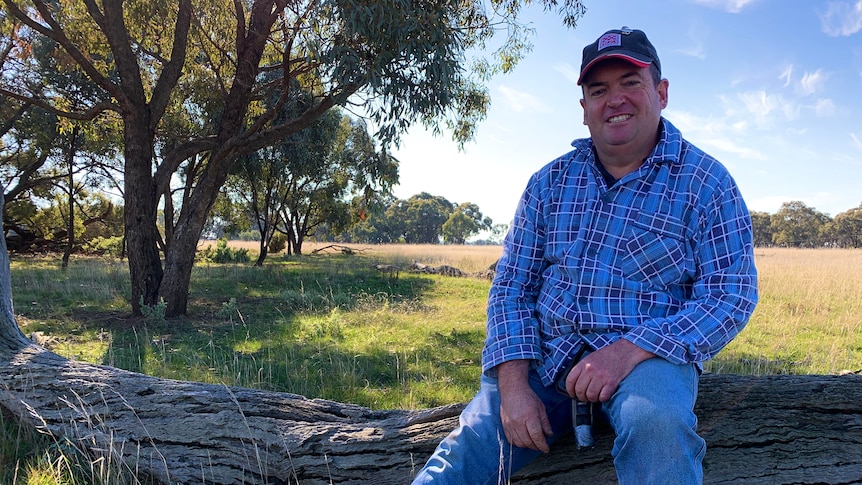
{"points": [[622, 106]]}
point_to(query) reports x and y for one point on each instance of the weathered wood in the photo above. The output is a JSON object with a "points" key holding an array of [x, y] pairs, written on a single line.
{"points": [[772, 429]]}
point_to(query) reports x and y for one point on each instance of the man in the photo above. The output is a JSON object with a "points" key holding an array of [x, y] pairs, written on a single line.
{"points": [[636, 246]]}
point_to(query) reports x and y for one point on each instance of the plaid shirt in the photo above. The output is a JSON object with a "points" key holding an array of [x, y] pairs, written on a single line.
{"points": [[664, 259]]}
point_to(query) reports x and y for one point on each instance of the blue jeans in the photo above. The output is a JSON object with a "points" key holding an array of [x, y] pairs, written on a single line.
{"points": [[651, 413]]}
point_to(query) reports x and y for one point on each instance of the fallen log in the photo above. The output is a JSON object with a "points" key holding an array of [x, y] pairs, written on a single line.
{"points": [[768, 429]]}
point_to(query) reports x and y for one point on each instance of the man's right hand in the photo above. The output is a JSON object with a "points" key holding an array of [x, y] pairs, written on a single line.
{"points": [[525, 421]]}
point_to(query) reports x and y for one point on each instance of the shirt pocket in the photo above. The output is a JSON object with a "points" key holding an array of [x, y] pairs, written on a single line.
{"points": [[655, 252]]}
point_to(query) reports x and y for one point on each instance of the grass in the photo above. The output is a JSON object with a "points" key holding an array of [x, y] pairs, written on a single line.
{"points": [[808, 320], [30, 458], [324, 326], [330, 326]]}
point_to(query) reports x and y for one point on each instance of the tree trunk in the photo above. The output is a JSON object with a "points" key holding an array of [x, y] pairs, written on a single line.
{"points": [[140, 211], [261, 256], [773, 429]]}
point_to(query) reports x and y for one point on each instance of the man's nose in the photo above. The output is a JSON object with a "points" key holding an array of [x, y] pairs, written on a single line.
{"points": [[616, 97]]}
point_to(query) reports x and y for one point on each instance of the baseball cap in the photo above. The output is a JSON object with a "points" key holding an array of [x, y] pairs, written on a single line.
{"points": [[628, 44]]}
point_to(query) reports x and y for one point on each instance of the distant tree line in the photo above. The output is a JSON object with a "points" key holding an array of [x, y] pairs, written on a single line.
{"points": [[800, 226], [421, 219]]}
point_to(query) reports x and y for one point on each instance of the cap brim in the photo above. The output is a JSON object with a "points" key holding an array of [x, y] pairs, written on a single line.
{"points": [[612, 55]]}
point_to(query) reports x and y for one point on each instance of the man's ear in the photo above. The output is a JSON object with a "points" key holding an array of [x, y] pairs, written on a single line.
{"points": [[662, 92], [584, 109]]}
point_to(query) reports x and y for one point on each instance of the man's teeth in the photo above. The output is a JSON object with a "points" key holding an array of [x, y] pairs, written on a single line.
{"points": [[618, 118]]}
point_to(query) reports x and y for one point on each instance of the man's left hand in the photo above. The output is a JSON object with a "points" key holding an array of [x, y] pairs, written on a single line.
{"points": [[598, 375]]}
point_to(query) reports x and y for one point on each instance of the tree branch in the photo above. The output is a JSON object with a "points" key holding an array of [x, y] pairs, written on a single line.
{"points": [[90, 114], [55, 32], [173, 70]]}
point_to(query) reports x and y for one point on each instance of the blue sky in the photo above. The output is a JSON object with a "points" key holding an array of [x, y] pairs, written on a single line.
{"points": [[771, 88]]}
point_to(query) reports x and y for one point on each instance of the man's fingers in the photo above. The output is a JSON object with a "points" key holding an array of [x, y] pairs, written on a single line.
{"points": [[530, 434], [537, 438], [607, 392], [572, 380], [547, 430]]}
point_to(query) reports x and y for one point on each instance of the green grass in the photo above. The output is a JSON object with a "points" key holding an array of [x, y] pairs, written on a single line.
{"points": [[30, 458], [332, 327], [325, 326]]}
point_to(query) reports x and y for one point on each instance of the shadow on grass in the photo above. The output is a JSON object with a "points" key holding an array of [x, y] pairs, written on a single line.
{"points": [[250, 327]]}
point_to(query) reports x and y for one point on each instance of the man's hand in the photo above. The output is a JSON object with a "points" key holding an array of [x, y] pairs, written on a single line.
{"points": [[598, 375], [525, 421]]}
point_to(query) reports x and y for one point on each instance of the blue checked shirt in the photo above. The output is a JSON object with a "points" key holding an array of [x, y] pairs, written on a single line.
{"points": [[664, 259]]}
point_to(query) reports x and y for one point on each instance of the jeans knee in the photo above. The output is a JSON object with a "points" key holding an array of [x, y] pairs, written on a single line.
{"points": [[644, 420]]}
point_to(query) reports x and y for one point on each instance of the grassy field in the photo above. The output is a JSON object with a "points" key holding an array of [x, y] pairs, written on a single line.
{"points": [[329, 325], [808, 320]]}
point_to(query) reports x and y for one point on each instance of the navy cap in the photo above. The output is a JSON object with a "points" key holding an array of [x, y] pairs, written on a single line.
{"points": [[627, 44]]}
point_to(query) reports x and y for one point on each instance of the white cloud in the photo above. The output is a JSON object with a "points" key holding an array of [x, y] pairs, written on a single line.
{"points": [[521, 102], [786, 75], [842, 18], [824, 108], [731, 6], [568, 71], [695, 50], [811, 82], [763, 108], [768, 203], [726, 145], [713, 135], [856, 140], [694, 45], [795, 132]]}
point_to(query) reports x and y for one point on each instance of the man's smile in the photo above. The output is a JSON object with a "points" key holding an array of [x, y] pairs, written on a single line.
{"points": [[618, 118]]}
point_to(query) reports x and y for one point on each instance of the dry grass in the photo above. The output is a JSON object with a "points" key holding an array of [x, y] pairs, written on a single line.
{"points": [[807, 322], [469, 259], [809, 316]]}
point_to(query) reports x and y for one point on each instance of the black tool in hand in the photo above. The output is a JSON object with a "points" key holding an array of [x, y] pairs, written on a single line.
{"points": [[582, 419], [582, 412]]}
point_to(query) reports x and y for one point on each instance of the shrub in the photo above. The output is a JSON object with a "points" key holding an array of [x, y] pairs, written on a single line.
{"points": [[224, 254], [105, 246], [277, 243]]}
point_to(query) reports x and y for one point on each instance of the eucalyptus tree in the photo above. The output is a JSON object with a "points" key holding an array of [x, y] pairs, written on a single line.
{"points": [[369, 222], [184, 78], [43, 155], [847, 227], [761, 228], [425, 217], [322, 192], [27, 133], [465, 221], [798, 225], [270, 182]]}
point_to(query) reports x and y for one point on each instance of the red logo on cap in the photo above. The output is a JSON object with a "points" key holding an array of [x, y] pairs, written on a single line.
{"points": [[609, 40]]}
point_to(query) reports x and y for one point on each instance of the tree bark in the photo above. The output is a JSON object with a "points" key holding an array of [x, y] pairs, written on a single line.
{"points": [[769, 429]]}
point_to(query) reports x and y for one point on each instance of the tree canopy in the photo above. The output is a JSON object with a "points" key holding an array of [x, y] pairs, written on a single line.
{"points": [[185, 82]]}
